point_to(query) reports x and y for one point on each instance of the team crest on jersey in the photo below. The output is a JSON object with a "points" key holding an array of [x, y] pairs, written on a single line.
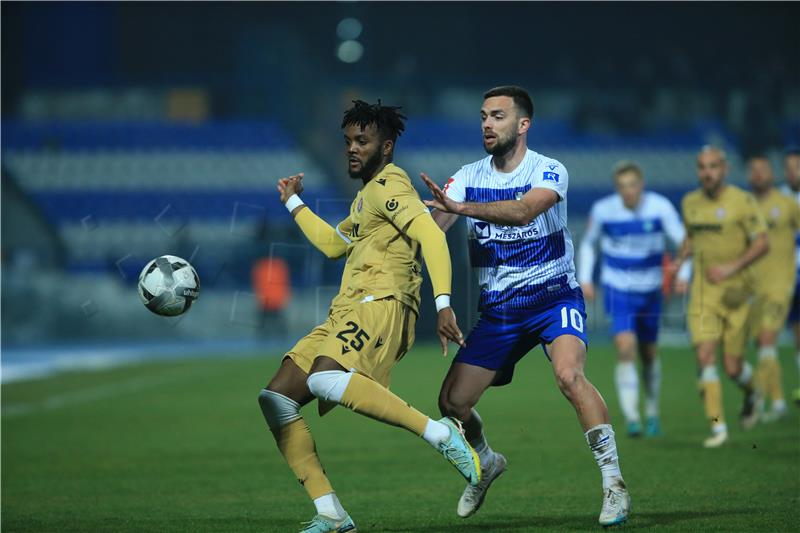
{"points": [[551, 176], [775, 212], [721, 212], [391, 205], [483, 230], [360, 205]]}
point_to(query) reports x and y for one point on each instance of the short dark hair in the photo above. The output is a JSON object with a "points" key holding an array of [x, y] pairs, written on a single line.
{"points": [[386, 119], [626, 165], [522, 100], [792, 152]]}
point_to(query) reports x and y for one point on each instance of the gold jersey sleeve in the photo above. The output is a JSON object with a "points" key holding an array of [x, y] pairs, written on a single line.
{"points": [[721, 229], [381, 259], [775, 272]]}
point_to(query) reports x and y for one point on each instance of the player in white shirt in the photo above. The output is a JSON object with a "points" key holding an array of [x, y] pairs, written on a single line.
{"points": [[631, 226], [791, 169], [515, 204]]}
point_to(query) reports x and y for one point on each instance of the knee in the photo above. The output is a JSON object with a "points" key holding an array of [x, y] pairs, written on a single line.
{"points": [[329, 385], [733, 367], [278, 410], [450, 405], [568, 378]]}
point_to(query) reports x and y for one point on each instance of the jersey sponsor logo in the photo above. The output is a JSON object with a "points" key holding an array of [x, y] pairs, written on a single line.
{"points": [[514, 234], [551, 176], [391, 205], [716, 228]]}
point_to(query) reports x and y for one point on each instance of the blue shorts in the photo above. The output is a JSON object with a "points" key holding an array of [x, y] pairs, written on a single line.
{"points": [[500, 339], [633, 311], [794, 311]]}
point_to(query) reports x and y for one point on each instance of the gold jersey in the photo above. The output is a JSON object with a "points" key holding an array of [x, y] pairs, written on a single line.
{"points": [[775, 272], [381, 258], [721, 230]]}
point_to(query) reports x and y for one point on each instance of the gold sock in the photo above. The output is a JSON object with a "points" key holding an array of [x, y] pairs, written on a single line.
{"points": [[761, 379], [372, 399], [712, 400], [297, 446], [775, 387]]}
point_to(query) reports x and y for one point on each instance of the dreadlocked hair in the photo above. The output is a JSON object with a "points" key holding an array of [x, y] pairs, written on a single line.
{"points": [[386, 119]]}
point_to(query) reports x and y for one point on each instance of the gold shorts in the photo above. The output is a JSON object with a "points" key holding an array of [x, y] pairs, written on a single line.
{"points": [[369, 338], [720, 315], [769, 312]]}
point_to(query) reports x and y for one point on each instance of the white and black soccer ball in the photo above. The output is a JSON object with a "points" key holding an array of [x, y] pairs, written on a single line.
{"points": [[168, 285]]}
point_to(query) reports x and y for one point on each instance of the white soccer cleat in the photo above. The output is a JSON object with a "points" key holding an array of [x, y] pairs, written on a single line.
{"points": [[774, 414], [716, 439], [616, 505], [472, 498]]}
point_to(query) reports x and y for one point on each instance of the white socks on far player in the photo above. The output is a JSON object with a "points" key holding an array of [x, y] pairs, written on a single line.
{"points": [[330, 506], [652, 387], [627, 381], [604, 447]]}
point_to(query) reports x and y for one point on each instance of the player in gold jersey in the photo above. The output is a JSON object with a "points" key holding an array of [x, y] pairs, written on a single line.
{"points": [[775, 277], [370, 326], [791, 169], [725, 234]]}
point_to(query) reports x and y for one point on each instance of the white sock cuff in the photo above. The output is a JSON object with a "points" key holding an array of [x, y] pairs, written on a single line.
{"points": [[746, 375], [709, 374], [767, 352], [594, 434], [278, 409], [329, 385]]}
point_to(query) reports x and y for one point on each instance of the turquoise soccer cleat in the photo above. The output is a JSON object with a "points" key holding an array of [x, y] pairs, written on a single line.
{"points": [[635, 429], [652, 427], [457, 450], [326, 524]]}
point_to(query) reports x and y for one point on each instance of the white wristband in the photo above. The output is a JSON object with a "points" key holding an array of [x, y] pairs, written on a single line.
{"points": [[442, 301], [293, 202]]}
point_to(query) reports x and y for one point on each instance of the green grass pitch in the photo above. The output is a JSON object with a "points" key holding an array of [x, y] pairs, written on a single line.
{"points": [[182, 446]]}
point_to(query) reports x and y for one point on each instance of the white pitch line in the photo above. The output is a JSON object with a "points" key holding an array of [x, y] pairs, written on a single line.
{"points": [[91, 394]]}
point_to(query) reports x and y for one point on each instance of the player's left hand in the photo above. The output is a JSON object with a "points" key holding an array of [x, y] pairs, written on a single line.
{"points": [[447, 328], [719, 273], [440, 200]]}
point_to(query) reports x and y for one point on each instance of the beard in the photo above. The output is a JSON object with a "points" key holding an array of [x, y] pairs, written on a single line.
{"points": [[368, 167], [502, 146]]}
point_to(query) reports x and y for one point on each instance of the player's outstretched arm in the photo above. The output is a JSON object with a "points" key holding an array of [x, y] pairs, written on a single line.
{"points": [[326, 239], [437, 259], [505, 212]]}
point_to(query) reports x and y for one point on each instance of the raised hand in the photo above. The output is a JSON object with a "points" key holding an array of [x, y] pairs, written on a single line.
{"points": [[289, 186]]}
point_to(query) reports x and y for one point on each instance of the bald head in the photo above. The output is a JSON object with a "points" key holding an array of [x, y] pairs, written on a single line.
{"points": [[712, 166]]}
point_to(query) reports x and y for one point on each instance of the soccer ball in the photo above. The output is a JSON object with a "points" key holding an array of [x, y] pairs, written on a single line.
{"points": [[168, 285]]}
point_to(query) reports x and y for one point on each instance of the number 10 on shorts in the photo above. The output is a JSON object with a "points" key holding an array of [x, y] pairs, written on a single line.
{"points": [[575, 318]]}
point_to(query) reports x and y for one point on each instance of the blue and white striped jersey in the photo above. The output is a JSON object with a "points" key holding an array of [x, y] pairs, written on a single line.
{"points": [[518, 267], [631, 241], [796, 195]]}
